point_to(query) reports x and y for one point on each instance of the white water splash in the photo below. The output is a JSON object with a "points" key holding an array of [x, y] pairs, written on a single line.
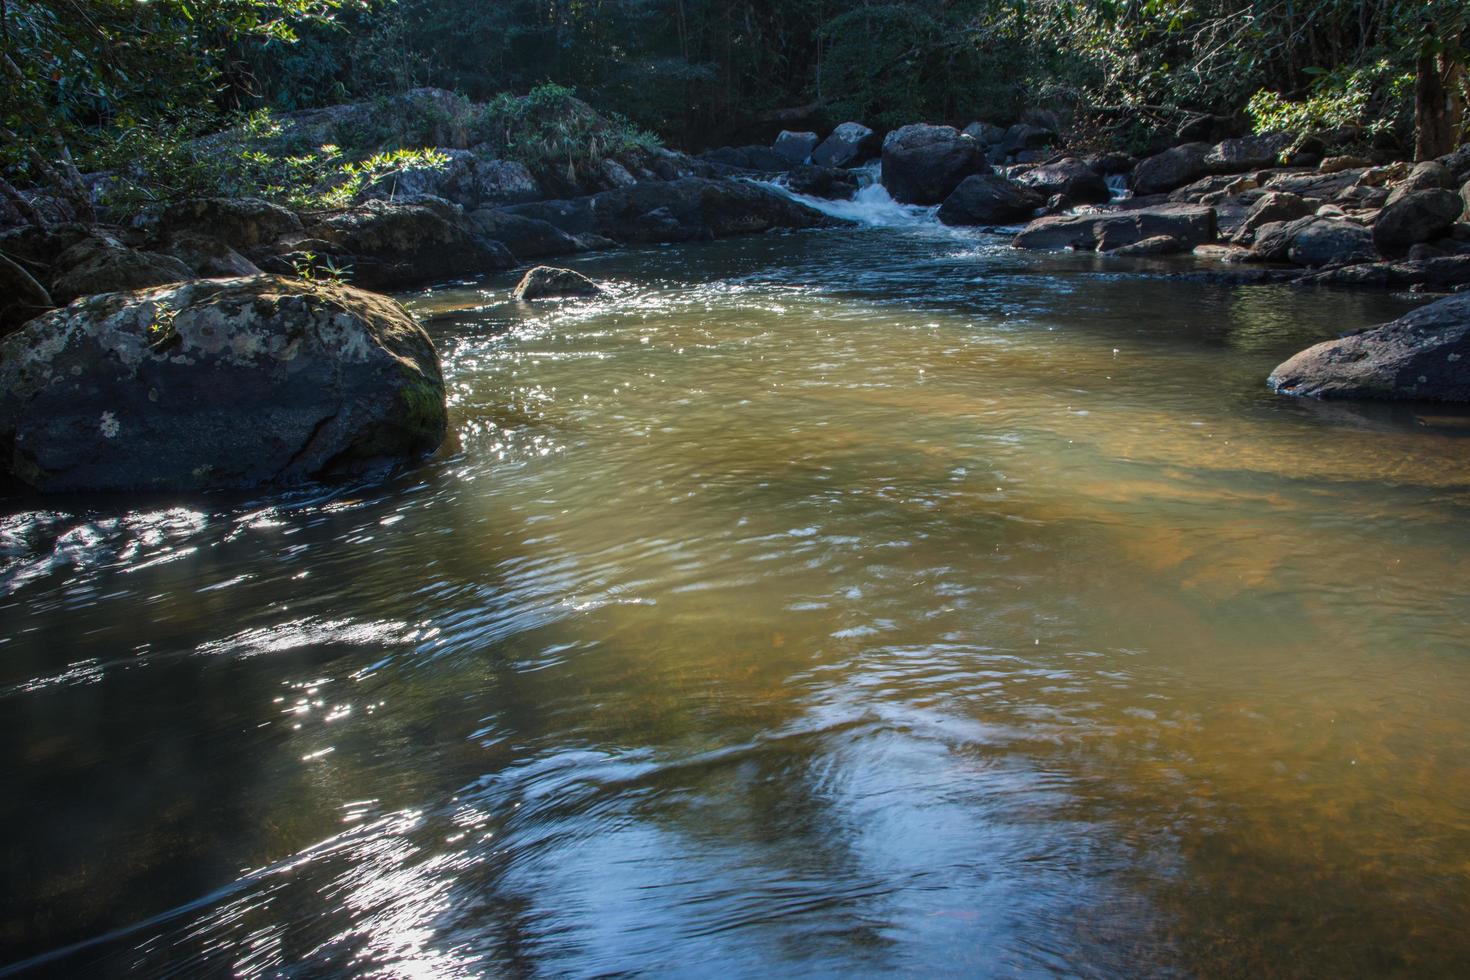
{"points": [[871, 206]]}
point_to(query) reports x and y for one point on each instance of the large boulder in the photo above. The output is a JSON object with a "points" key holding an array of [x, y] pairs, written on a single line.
{"points": [[984, 133], [923, 164], [1071, 180], [989, 199], [240, 222], [527, 238], [396, 246], [1425, 176], [1235, 156], [1189, 224], [1423, 356], [829, 182], [1314, 241], [1163, 172], [214, 384], [209, 257], [1418, 216], [463, 177], [549, 282], [1273, 206], [761, 159], [1026, 137], [848, 145], [100, 263], [795, 148], [678, 211]]}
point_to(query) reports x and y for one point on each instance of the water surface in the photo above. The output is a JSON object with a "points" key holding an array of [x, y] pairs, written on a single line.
{"points": [[835, 602]]}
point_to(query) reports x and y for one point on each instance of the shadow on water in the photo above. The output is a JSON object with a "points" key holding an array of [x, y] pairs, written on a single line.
{"points": [[882, 600]]}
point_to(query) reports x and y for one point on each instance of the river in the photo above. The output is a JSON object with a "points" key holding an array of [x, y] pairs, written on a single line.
{"points": [[838, 602]]}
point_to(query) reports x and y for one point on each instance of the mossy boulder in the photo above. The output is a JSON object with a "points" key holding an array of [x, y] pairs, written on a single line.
{"points": [[247, 382]]}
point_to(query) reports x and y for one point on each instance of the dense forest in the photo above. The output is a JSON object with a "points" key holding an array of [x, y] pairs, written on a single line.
{"points": [[98, 84]]}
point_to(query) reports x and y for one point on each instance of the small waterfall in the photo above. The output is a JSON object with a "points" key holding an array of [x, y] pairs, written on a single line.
{"points": [[1118, 184], [871, 205]]}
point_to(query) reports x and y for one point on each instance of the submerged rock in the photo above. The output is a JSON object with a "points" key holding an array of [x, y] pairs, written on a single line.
{"points": [[1424, 355], [923, 164], [549, 282], [217, 383]]}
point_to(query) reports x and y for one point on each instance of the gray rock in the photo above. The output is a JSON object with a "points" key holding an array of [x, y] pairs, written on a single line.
{"points": [[396, 246], [102, 264], [1426, 176], [795, 148], [1424, 355], [833, 183], [1027, 136], [526, 238], [242, 223], [984, 133], [1157, 245], [217, 383], [923, 164], [1418, 216], [1191, 224], [1273, 206], [1073, 180], [1234, 156], [465, 177], [848, 145], [989, 199], [1314, 241], [548, 282], [1163, 172], [761, 159], [209, 257]]}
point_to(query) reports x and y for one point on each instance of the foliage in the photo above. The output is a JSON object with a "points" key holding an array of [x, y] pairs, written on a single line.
{"points": [[550, 130]]}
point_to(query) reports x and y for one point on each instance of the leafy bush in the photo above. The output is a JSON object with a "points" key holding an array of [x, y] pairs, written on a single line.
{"points": [[553, 132]]}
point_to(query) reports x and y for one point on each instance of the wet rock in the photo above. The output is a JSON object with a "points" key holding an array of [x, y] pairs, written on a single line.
{"points": [[102, 264], [1414, 217], [795, 148], [1420, 356], [242, 223], [396, 246], [548, 282], [1443, 273], [923, 164], [526, 238], [1071, 179], [848, 145], [1157, 245], [833, 183], [989, 199], [1163, 172], [217, 383], [1107, 230]]}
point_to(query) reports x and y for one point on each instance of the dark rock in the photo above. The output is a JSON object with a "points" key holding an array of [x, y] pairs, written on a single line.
{"points": [[240, 222], [209, 257], [1157, 245], [1073, 180], [1418, 216], [526, 238], [1273, 206], [1190, 224], [1337, 164], [1427, 176], [795, 148], [1458, 163], [572, 216], [547, 282], [989, 199], [22, 296], [984, 133], [923, 164], [102, 264], [1208, 129], [1313, 186], [829, 182], [1108, 164], [1420, 357], [217, 383], [468, 178], [396, 246], [1233, 156], [1173, 168], [849, 144], [761, 159], [1314, 241], [1025, 136]]}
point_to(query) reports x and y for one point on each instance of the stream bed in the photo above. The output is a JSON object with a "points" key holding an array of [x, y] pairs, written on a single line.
{"points": [[839, 602]]}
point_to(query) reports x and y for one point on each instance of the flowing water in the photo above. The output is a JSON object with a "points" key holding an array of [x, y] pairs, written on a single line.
{"points": [[862, 601]]}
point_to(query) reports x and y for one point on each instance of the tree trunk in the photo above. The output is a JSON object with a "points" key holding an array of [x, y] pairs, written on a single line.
{"points": [[1439, 107]]}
